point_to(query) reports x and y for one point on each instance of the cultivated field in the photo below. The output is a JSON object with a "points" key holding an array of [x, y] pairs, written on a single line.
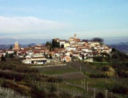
{"points": [[73, 80]]}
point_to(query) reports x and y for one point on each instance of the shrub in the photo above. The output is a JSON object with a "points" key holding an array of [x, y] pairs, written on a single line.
{"points": [[100, 95], [25, 90], [109, 71], [38, 91], [123, 73], [65, 95], [120, 89], [53, 79], [52, 88], [98, 76]]}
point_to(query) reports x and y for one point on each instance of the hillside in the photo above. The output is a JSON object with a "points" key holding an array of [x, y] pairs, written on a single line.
{"points": [[121, 47], [72, 80]]}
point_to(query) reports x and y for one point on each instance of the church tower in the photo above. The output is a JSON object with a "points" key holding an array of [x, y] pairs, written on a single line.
{"points": [[16, 46], [75, 35]]}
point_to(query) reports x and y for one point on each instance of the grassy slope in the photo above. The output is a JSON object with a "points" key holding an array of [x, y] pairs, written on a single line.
{"points": [[94, 68], [76, 83]]}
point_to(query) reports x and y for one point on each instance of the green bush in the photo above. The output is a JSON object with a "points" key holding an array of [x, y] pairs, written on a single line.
{"points": [[119, 89], [98, 76], [109, 71], [52, 88], [100, 95]]}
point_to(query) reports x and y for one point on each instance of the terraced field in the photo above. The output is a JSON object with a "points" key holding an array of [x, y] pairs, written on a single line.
{"points": [[73, 80]]}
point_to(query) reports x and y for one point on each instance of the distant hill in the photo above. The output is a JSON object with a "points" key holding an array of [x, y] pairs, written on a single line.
{"points": [[5, 43], [4, 46], [9, 45], [8, 41], [123, 47]]}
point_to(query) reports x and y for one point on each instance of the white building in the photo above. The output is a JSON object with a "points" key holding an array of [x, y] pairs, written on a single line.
{"points": [[35, 61]]}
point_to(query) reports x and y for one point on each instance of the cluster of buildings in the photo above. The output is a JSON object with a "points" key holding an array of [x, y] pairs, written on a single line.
{"points": [[72, 49], [81, 50]]}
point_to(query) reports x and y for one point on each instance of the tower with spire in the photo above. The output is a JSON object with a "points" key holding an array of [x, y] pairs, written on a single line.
{"points": [[75, 36], [16, 46]]}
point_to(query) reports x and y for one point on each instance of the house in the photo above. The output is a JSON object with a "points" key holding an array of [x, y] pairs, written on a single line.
{"points": [[61, 43], [87, 50], [93, 44], [38, 55], [35, 60], [66, 59], [81, 43], [70, 48], [89, 60], [74, 39], [57, 39], [66, 44], [10, 51], [2, 53]]}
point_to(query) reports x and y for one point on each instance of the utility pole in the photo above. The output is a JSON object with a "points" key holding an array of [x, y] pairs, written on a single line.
{"points": [[87, 87], [94, 93], [110, 94], [84, 84], [80, 68], [106, 93]]}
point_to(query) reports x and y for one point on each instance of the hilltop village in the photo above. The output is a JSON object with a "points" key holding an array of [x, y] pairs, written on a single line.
{"points": [[63, 51]]}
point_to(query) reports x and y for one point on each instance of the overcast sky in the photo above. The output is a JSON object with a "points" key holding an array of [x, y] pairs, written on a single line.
{"points": [[46, 19]]}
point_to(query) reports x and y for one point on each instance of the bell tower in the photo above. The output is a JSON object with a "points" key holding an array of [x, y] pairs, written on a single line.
{"points": [[75, 35], [16, 46]]}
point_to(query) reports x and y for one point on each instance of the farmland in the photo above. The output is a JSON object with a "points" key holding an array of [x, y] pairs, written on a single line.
{"points": [[73, 80]]}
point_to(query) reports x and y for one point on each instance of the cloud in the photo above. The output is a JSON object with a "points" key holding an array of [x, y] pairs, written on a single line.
{"points": [[29, 24]]}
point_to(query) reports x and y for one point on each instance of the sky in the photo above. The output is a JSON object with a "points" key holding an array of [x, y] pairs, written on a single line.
{"points": [[47, 19]]}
